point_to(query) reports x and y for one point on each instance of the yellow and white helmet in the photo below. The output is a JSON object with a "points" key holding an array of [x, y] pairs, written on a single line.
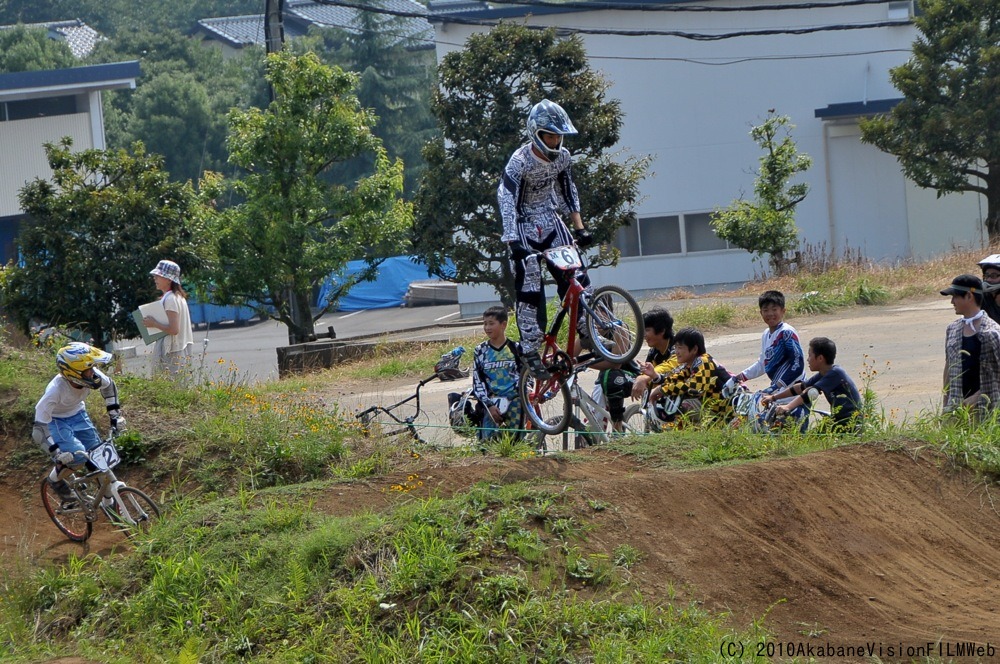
{"points": [[76, 358]]}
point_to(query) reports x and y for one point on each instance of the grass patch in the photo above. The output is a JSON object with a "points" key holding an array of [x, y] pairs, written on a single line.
{"points": [[488, 575]]}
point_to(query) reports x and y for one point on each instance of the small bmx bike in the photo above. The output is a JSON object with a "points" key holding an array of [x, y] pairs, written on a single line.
{"points": [[446, 369], [98, 491]]}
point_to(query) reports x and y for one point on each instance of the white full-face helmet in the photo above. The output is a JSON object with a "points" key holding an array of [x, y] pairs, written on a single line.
{"points": [[550, 118]]}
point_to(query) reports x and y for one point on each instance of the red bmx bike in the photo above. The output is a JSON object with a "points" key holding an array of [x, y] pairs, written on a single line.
{"points": [[614, 326]]}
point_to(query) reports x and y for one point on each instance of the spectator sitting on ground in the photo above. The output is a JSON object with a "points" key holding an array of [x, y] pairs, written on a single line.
{"points": [[698, 379], [618, 382], [496, 368], [972, 351], [832, 381]]}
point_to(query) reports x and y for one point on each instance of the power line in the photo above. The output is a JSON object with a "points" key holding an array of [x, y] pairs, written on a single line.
{"points": [[625, 6], [694, 36], [722, 61]]}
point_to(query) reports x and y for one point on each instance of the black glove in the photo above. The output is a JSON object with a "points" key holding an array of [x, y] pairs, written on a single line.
{"points": [[583, 237], [518, 251]]}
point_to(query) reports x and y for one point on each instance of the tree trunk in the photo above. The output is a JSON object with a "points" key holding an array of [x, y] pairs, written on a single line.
{"points": [[301, 328], [779, 263], [505, 287], [993, 205]]}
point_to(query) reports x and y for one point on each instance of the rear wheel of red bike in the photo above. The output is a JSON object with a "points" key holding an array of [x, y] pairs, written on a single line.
{"points": [[615, 327], [69, 516], [576, 436], [546, 402]]}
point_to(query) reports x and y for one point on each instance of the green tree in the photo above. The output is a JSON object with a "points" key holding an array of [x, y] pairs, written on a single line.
{"points": [[946, 131], [179, 106], [295, 228], [396, 78], [172, 116], [766, 225], [487, 89], [119, 17], [93, 232], [23, 49]]}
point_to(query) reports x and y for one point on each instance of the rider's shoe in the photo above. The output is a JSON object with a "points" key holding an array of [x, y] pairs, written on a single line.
{"points": [[62, 490], [535, 366]]}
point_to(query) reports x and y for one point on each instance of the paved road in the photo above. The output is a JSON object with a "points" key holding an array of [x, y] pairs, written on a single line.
{"points": [[902, 344], [252, 348]]}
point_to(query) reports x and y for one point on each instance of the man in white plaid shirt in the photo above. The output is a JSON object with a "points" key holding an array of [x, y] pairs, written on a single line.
{"points": [[972, 351]]}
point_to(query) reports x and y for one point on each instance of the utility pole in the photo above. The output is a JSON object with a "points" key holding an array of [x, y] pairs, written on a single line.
{"points": [[274, 26]]}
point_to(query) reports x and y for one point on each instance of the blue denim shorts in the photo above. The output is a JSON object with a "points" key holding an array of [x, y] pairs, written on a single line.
{"points": [[75, 434]]}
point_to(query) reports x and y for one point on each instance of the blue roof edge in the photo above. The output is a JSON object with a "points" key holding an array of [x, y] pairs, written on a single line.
{"points": [[114, 71], [857, 108]]}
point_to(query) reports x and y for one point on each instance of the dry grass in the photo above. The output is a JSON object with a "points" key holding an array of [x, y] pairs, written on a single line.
{"points": [[903, 279]]}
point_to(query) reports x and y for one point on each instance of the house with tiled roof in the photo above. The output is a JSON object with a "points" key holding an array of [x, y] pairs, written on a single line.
{"points": [[693, 77], [80, 37], [234, 33], [38, 107]]}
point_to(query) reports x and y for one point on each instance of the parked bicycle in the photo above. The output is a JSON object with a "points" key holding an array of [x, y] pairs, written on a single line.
{"points": [[758, 418], [653, 417], [614, 327], [95, 491], [589, 423], [446, 369]]}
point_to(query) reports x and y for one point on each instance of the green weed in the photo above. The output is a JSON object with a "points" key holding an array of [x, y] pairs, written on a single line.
{"points": [[706, 316]]}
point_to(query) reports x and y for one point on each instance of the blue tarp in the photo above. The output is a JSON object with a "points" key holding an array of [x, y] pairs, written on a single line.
{"points": [[386, 290], [207, 313]]}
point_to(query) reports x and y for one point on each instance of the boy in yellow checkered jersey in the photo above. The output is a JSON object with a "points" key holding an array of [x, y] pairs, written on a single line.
{"points": [[698, 379]]}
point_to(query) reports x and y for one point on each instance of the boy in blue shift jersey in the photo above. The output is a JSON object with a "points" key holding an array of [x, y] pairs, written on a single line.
{"points": [[496, 369]]}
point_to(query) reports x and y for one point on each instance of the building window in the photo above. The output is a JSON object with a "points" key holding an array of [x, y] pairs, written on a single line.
{"points": [[650, 236], [700, 235], [657, 236], [39, 108]]}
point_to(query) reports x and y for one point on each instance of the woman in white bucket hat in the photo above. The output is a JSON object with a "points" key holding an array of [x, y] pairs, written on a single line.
{"points": [[174, 350]]}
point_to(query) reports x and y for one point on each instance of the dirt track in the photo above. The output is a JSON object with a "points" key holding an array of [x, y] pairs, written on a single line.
{"points": [[854, 545], [849, 546]]}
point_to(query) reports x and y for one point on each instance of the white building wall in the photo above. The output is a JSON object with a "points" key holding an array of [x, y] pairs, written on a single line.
{"points": [[690, 104], [938, 225], [22, 155]]}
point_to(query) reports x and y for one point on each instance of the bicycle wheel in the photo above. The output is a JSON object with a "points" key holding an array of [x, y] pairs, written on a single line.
{"points": [[136, 512], [576, 436], [636, 422], [547, 403], [71, 519], [616, 328]]}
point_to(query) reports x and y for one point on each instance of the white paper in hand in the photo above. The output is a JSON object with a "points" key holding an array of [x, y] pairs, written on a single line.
{"points": [[155, 311]]}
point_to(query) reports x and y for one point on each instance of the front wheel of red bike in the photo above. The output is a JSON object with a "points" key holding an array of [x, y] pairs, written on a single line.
{"points": [[546, 402], [68, 515], [615, 326]]}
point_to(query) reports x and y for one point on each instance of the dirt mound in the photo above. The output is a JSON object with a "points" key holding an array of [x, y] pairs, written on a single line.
{"points": [[841, 548]]}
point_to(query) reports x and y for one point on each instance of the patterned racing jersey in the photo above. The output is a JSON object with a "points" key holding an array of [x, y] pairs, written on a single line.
{"points": [[781, 358], [531, 192], [495, 371], [703, 380]]}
